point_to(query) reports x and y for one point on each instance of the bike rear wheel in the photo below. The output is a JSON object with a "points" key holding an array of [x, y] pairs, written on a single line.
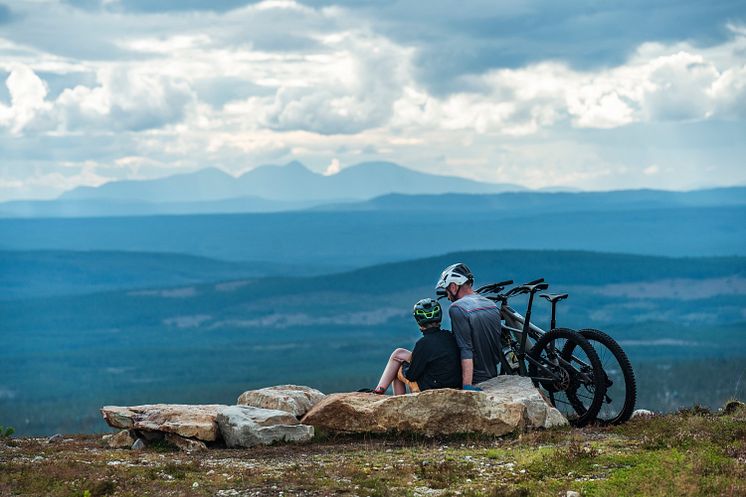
{"points": [[575, 384], [621, 387]]}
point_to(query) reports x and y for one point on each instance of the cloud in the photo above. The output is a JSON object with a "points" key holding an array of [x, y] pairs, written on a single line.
{"points": [[333, 168], [127, 99], [124, 100], [529, 92], [27, 98], [679, 84], [353, 88], [728, 93], [480, 36]]}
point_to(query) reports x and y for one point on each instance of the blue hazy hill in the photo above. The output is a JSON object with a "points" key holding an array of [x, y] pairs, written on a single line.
{"points": [[42, 273], [551, 202], [96, 207], [358, 238]]}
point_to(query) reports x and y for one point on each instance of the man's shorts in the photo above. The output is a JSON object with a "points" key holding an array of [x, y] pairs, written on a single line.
{"points": [[413, 386]]}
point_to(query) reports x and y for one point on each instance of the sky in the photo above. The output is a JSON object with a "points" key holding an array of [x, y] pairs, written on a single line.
{"points": [[597, 95]]}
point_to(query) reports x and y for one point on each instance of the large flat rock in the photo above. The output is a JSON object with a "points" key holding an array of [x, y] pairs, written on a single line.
{"points": [[188, 421], [507, 404], [246, 426], [295, 399]]}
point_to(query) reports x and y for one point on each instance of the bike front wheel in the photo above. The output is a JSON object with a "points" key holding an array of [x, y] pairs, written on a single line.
{"points": [[621, 387], [574, 383]]}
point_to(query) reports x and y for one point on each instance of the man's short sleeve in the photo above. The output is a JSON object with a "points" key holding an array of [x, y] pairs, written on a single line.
{"points": [[461, 331]]}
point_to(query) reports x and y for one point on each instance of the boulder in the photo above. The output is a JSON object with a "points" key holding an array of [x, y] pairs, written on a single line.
{"points": [[188, 421], [642, 413], [185, 444], [139, 444], [57, 437], [521, 390], [121, 440], [507, 404], [246, 426], [297, 400]]}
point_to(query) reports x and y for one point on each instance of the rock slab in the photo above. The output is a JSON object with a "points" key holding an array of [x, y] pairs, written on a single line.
{"points": [[188, 421], [246, 426], [506, 404], [295, 399]]}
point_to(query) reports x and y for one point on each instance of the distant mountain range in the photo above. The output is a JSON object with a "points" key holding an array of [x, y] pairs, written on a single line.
{"points": [[264, 189], [370, 186], [292, 182]]}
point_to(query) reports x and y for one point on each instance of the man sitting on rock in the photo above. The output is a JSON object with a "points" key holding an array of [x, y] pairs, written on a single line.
{"points": [[476, 325], [434, 362]]}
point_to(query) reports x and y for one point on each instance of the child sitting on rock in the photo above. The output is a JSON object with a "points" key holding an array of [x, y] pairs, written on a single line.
{"points": [[435, 361]]}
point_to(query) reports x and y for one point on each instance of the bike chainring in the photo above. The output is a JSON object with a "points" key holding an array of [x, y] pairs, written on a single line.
{"points": [[561, 382]]}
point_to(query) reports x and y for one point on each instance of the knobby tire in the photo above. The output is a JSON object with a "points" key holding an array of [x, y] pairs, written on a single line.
{"points": [[585, 414]]}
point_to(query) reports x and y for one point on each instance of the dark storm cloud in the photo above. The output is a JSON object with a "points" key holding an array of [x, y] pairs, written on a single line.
{"points": [[479, 36]]}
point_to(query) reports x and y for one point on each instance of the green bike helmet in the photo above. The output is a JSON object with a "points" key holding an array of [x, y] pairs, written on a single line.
{"points": [[427, 311]]}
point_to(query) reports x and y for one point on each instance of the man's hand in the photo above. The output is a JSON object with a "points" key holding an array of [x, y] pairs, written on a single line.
{"points": [[472, 388]]}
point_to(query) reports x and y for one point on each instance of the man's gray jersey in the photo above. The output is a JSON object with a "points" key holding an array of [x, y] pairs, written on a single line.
{"points": [[476, 326]]}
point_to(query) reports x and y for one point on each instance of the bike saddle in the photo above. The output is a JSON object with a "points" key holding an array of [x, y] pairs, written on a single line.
{"points": [[533, 288], [554, 297]]}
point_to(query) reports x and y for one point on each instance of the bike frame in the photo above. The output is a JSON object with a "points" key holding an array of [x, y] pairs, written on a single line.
{"points": [[514, 322]]}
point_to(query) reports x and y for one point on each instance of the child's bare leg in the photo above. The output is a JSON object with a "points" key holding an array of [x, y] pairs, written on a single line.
{"points": [[399, 387], [392, 368]]}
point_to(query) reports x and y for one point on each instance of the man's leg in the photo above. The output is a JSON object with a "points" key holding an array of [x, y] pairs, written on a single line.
{"points": [[392, 368]]}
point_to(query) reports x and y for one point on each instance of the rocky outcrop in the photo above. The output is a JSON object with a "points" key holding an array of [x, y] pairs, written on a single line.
{"points": [[297, 400], [188, 421], [246, 426], [507, 404], [190, 426]]}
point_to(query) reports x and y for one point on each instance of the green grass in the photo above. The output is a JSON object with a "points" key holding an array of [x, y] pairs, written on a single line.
{"points": [[690, 453]]}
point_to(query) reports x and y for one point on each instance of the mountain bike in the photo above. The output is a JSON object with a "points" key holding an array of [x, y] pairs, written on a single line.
{"points": [[621, 389], [561, 362]]}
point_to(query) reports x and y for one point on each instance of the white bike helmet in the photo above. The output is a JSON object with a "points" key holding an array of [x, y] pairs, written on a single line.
{"points": [[457, 273]]}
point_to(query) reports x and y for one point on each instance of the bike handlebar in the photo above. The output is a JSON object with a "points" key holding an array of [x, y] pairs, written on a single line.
{"points": [[521, 289], [494, 287], [518, 290]]}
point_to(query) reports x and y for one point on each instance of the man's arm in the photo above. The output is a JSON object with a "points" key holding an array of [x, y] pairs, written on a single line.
{"points": [[467, 371], [462, 333]]}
